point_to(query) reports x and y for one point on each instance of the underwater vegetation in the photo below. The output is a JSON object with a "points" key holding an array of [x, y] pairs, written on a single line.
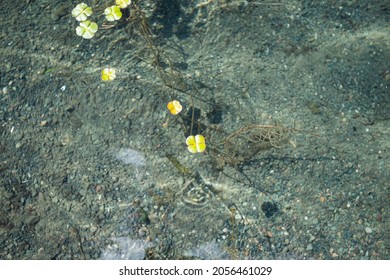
{"points": [[192, 108], [225, 147]]}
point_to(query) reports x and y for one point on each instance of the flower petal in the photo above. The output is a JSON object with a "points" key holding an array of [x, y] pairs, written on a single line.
{"points": [[200, 143]]}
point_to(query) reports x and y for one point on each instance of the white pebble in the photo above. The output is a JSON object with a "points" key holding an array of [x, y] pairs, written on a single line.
{"points": [[368, 230]]}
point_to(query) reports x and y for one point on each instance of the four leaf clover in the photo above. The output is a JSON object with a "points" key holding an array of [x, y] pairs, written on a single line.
{"points": [[81, 12], [108, 74], [86, 29], [196, 144], [113, 13], [174, 107]]}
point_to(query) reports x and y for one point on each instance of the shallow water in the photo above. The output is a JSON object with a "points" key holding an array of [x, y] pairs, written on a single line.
{"points": [[291, 97]]}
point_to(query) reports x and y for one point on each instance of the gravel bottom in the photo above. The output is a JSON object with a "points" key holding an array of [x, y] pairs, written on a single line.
{"points": [[94, 170]]}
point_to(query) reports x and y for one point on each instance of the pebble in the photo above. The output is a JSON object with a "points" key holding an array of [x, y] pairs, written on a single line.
{"points": [[32, 220], [19, 136], [180, 181], [93, 229], [368, 230], [138, 95], [43, 123], [141, 232], [309, 247]]}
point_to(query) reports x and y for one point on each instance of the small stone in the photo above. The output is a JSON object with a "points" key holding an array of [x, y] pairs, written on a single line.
{"points": [[309, 247], [93, 229], [138, 95], [40, 251], [32, 220], [19, 136], [368, 230], [180, 181], [43, 123], [141, 232]]}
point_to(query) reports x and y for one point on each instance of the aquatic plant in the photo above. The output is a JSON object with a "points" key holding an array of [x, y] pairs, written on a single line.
{"points": [[196, 144], [224, 147], [81, 12], [87, 29], [108, 74], [174, 107], [113, 13]]}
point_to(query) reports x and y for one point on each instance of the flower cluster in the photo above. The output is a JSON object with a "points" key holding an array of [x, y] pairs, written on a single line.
{"points": [[87, 28], [195, 144]]}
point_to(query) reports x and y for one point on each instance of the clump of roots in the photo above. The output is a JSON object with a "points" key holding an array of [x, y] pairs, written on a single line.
{"points": [[246, 142]]}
